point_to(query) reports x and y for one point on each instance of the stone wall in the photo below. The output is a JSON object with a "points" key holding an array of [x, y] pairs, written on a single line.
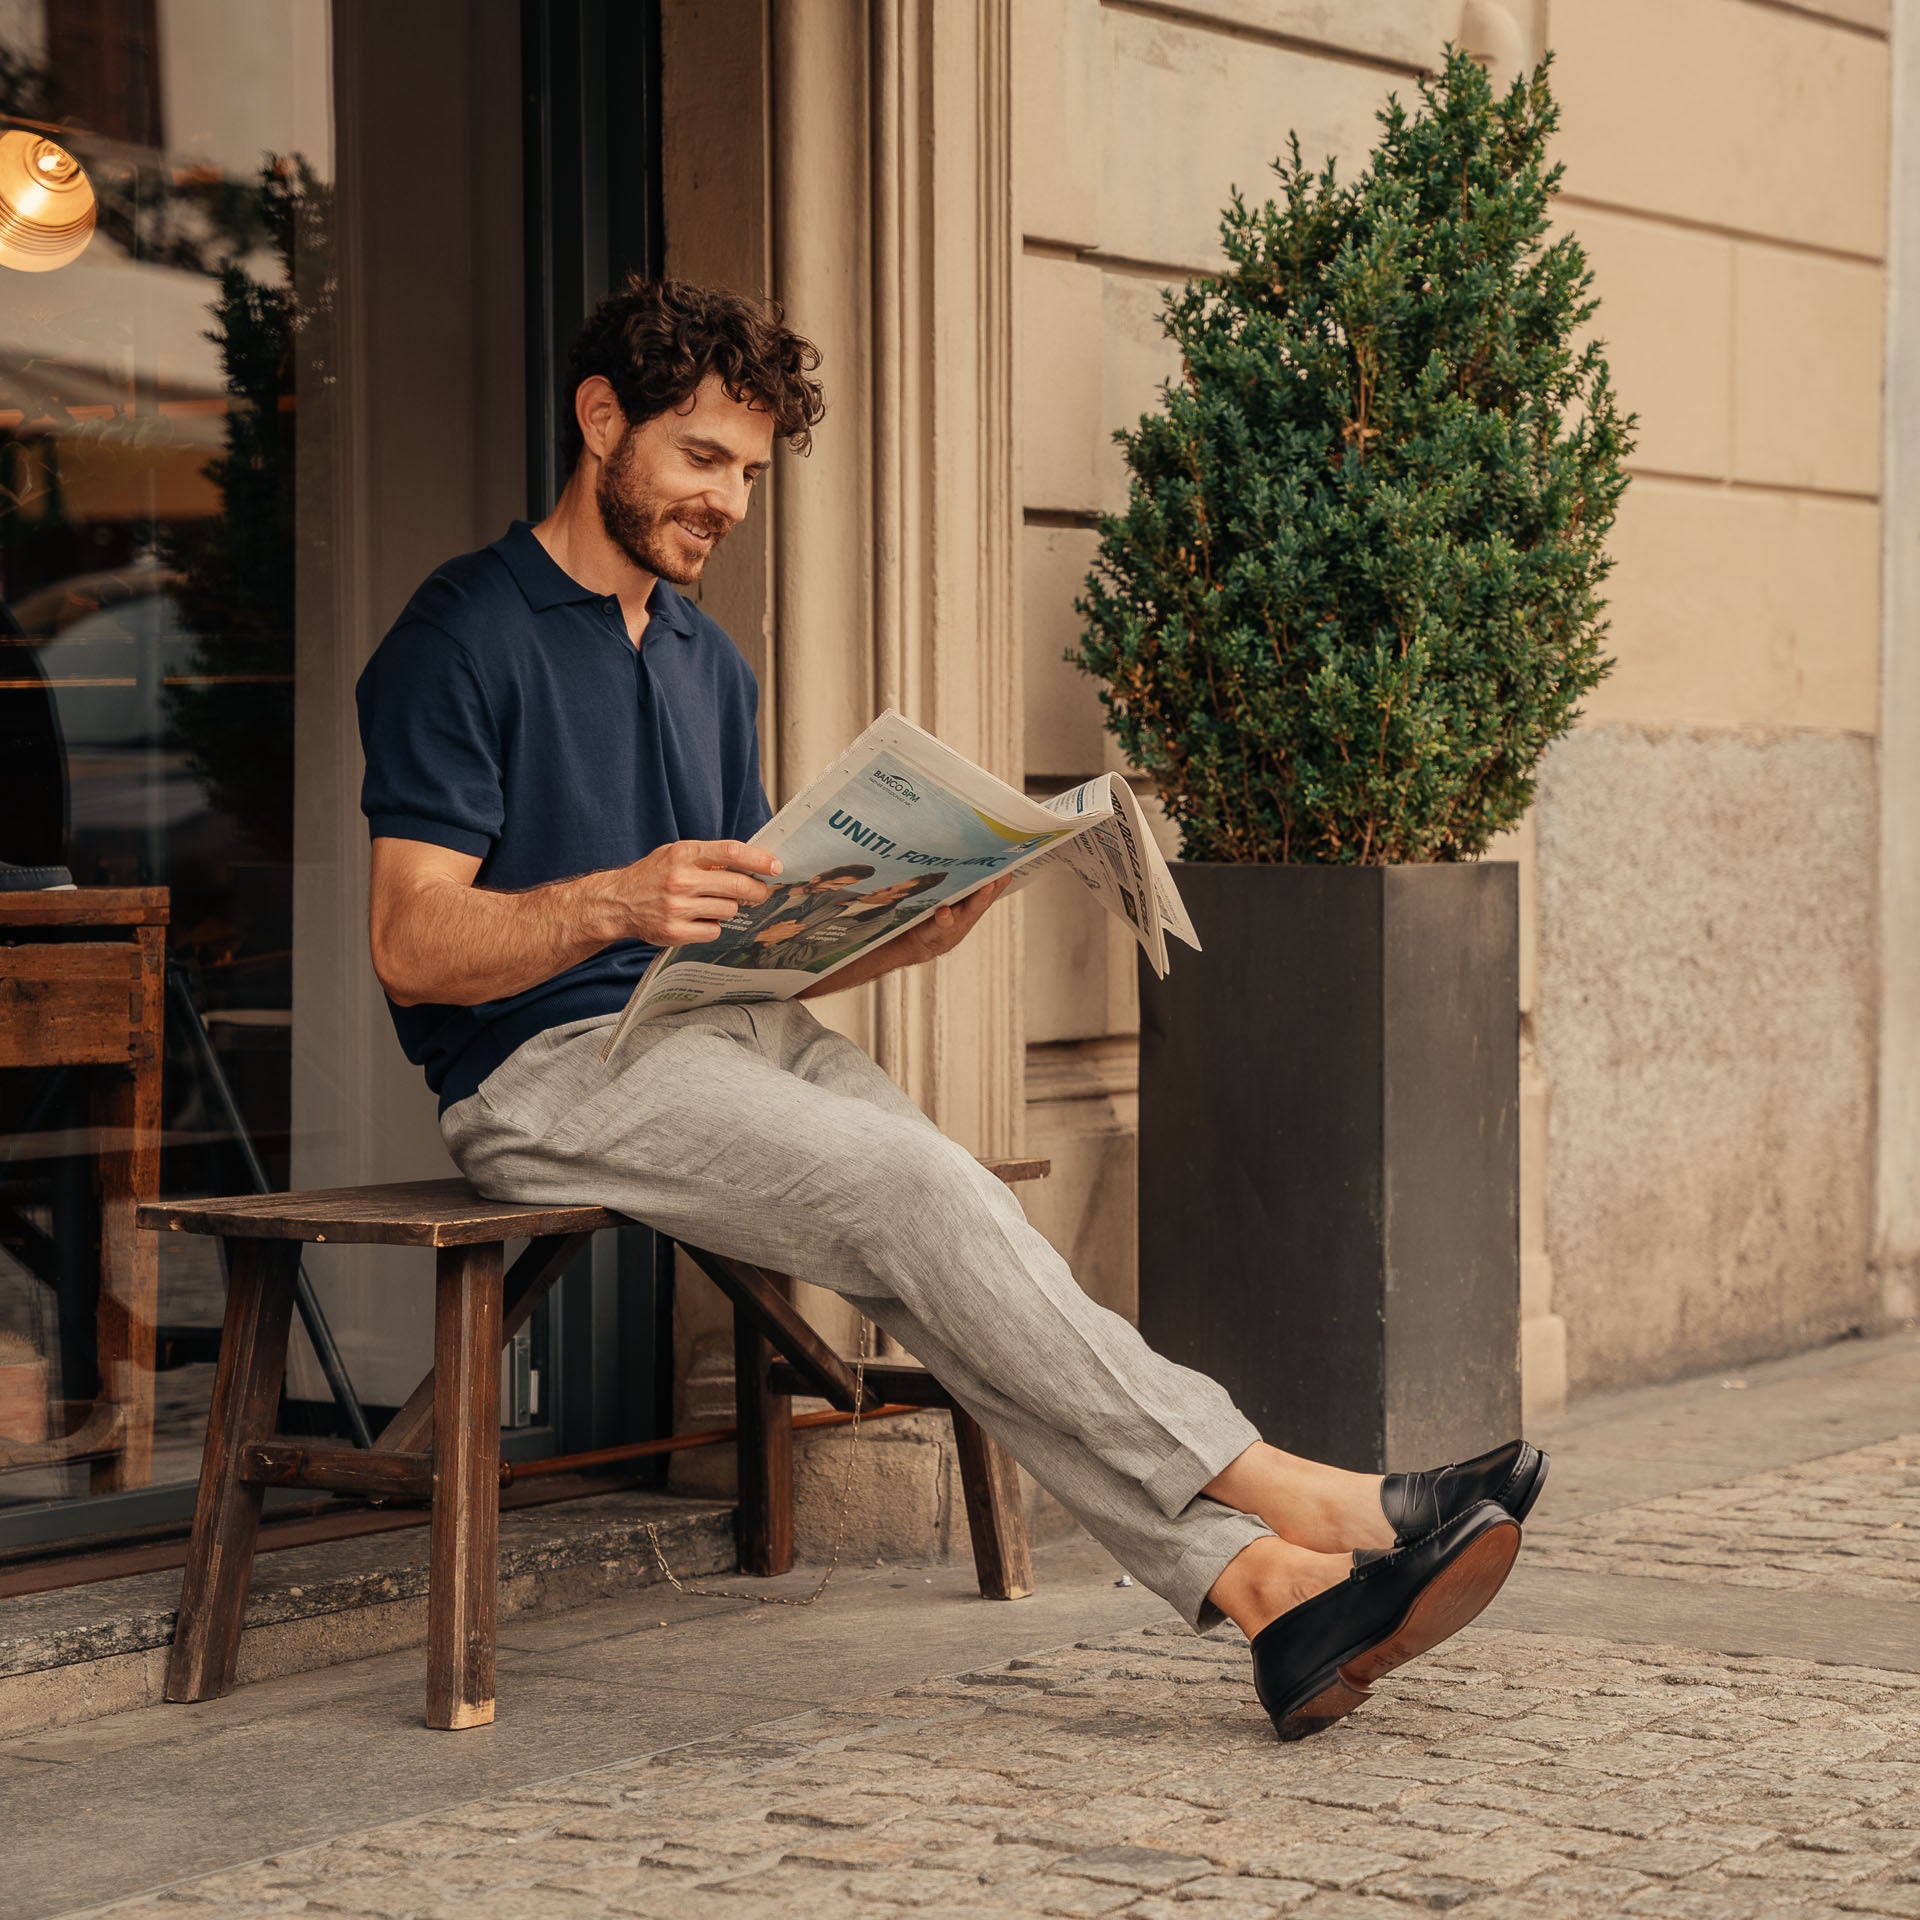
{"points": [[1699, 994], [1704, 967], [1706, 1025]]}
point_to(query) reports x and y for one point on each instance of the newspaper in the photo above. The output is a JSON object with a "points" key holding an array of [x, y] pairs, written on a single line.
{"points": [[896, 827]]}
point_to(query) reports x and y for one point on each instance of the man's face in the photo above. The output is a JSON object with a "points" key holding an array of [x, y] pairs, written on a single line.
{"points": [[672, 488]]}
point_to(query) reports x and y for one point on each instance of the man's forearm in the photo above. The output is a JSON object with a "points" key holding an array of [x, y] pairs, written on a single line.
{"points": [[454, 945]]}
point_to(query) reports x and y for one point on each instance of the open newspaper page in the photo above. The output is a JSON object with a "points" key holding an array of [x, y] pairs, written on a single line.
{"points": [[896, 827], [1114, 856]]}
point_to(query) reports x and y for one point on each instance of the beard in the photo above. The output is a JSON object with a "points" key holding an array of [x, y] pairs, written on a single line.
{"points": [[641, 524]]}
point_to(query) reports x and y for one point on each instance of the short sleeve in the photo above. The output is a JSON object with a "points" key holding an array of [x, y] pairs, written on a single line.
{"points": [[431, 744]]}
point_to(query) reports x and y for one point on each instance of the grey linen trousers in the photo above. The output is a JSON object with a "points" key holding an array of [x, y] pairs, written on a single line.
{"points": [[758, 1133]]}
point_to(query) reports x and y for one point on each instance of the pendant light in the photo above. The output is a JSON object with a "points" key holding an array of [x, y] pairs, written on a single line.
{"points": [[46, 203]]}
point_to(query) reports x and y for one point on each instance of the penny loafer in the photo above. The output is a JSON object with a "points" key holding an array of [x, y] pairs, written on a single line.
{"points": [[1509, 1476], [1319, 1660]]}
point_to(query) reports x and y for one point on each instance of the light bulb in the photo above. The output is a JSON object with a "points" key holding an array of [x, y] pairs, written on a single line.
{"points": [[47, 207]]}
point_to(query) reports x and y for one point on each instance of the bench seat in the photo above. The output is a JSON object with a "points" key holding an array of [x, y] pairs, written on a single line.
{"points": [[443, 1445]]}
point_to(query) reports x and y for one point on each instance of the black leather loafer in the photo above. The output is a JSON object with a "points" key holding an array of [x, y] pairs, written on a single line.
{"points": [[1319, 1660], [1510, 1476]]}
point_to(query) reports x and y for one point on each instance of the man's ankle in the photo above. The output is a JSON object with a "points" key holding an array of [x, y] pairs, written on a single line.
{"points": [[1269, 1578]]}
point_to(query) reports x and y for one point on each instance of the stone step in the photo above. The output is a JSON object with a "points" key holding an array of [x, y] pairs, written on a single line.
{"points": [[84, 1651]]}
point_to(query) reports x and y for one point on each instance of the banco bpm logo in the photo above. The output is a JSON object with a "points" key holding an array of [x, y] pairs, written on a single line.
{"points": [[897, 783]]}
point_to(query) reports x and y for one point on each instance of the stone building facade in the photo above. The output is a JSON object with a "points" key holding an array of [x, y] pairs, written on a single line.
{"points": [[974, 209], [973, 206]]}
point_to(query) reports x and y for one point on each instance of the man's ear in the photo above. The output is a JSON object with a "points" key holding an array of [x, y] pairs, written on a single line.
{"points": [[597, 411]]}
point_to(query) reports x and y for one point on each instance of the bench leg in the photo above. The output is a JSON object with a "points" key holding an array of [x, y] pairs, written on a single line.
{"points": [[226, 1513], [995, 1516], [765, 1453], [463, 1578]]}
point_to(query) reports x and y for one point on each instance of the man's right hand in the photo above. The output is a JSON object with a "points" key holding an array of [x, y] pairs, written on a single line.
{"points": [[439, 939], [685, 892]]}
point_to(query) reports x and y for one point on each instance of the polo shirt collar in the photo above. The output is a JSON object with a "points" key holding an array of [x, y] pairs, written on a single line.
{"points": [[547, 584]]}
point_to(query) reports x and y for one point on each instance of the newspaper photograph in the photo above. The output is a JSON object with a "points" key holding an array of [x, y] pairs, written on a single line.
{"points": [[896, 827]]}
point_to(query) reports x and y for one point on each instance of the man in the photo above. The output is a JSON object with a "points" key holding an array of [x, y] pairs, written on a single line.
{"points": [[562, 778]]}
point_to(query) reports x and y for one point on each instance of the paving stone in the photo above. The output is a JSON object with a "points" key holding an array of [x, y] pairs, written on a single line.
{"points": [[830, 1849], [1325, 1864], [1771, 1798], [1792, 1863], [1900, 1901], [1834, 1525], [987, 1860], [1357, 1790], [1672, 1858], [1130, 1866], [1240, 1886], [847, 1810], [1502, 1863], [1239, 1908], [1588, 1882], [1454, 1818], [1437, 1892], [1726, 1836], [1335, 1906], [1060, 1893], [395, 1896], [912, 1887]]}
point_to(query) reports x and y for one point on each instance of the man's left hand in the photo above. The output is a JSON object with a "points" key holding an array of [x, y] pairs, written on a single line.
{"points": [[944, 928], [940, 932]]}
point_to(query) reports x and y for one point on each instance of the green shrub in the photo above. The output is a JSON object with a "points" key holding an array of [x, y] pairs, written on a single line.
{"points": [[1352, 599]]}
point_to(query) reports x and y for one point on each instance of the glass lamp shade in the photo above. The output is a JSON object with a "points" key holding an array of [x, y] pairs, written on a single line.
{"points": [[46, 203]]}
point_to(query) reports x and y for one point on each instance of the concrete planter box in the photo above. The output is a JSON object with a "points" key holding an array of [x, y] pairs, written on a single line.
{"points": [[1329, 1160]]}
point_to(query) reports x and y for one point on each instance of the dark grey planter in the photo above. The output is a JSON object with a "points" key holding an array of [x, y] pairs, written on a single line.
{"points": [[1329, 1160]]}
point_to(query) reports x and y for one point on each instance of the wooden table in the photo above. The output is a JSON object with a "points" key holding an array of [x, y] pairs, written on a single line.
{"points": [[92, 999]]}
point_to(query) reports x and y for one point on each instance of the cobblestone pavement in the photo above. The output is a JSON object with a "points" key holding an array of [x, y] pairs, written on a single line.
{"points": [[1508, 1776], [1849, 1523]]}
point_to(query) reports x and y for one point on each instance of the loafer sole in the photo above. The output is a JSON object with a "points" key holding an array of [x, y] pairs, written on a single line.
{"points": [[1536, 1478], [1449, 1601]]}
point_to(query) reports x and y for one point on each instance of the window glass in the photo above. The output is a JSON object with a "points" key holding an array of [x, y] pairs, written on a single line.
{"points": [[166, 300]]}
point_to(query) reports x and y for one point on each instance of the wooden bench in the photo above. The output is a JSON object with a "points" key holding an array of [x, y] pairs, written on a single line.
{"points": [[443, 1445]]}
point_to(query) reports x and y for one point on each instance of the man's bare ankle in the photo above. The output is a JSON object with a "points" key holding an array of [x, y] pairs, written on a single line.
{"points": [[1271, 1578], [1371, 1525]]}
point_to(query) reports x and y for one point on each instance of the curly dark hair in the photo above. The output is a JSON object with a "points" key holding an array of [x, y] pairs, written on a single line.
{"points": [[654, 341]]}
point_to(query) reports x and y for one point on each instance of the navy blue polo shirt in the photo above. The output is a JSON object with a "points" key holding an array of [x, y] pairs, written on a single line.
{"points": [[508, 715]]}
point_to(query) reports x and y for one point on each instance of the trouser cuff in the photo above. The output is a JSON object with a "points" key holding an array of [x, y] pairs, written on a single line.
{"points": [[1203, 1563], [1176, 1481]]}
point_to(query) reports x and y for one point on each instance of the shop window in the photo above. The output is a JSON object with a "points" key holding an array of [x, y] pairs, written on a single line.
{"points": [[162, 401]]}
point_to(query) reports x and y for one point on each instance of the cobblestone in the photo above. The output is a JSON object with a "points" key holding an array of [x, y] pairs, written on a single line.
{"points": [[1848, 1523], [1675, 1786]]}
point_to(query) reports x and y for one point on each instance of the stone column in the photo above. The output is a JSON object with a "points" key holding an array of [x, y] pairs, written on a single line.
{"points": [[894, 581], [1896, 1229]]}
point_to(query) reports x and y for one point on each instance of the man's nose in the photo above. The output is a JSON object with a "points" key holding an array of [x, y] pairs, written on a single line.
{"points": [[727, 499]]}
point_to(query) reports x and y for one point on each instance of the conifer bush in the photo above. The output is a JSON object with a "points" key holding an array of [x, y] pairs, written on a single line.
{"points": [[1353, 597]]}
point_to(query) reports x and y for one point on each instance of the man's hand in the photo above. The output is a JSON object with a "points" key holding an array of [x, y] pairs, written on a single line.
{"points": [[437, 938], [944, 928], [939, 933], [685, 892]]}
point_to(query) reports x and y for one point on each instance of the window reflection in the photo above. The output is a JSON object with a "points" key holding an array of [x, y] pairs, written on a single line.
{"points": [[154, 395]]}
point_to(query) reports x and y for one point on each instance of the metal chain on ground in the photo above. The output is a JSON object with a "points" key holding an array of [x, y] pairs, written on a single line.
{"points": [[840, 1528]]}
